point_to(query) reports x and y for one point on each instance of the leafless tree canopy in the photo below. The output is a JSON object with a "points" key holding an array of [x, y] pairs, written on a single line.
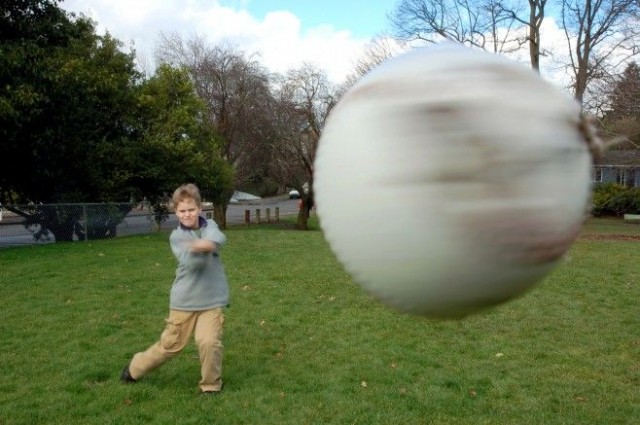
{"points": [[486, 24], [235, 88], [271, 124], [304, 98], [601, 35], [532, 24]]}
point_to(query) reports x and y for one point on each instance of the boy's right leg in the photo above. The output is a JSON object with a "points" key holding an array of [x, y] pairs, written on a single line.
{"points": [[178, 329]]}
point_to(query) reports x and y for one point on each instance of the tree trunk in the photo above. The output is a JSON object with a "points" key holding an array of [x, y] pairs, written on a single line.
{"points": [[220, 215], [303, 219], [306, 204]]}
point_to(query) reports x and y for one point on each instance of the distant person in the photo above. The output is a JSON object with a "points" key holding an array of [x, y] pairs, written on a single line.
{"points": [[198, 295]]}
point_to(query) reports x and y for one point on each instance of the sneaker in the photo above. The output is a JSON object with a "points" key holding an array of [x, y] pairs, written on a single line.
{"points": [[125, 376]]}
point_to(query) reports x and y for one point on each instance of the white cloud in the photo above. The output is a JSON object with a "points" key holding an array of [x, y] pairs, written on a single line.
{"points": [[278, 38]]}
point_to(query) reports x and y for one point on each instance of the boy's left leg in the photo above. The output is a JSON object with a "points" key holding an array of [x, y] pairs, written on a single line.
{"points": [[208, 337], [178, 328]]}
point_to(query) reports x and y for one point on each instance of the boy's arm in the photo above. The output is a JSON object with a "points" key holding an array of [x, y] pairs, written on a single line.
{"points": [[187, 252], [212, 237]]}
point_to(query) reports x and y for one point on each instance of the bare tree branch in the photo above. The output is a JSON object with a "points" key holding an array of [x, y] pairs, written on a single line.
{"points": [[600, 34]]}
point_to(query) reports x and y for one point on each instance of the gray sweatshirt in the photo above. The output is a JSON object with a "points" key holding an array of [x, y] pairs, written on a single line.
{"points": [[200, 282]]}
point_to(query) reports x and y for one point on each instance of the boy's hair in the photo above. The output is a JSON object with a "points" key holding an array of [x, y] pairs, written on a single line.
{"points": [[186, 191]]}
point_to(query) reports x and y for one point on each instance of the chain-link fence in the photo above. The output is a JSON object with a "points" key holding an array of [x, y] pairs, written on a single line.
{"points": [[49, 223]]}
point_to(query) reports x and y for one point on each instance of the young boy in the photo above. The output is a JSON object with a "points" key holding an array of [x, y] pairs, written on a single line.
{"points": [[198, 294]]}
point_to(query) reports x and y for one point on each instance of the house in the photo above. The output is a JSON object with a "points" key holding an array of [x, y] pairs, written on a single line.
{"points": [[618, 166], [243, 197]]}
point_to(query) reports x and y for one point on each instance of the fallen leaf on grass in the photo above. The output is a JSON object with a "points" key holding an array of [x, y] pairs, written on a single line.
{"points": [[363, 384]]}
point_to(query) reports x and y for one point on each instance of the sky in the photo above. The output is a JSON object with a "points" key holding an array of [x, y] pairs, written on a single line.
{"points": [[285, 33], [331, 34]]}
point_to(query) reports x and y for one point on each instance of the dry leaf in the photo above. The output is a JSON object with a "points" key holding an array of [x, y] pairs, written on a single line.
{"points": [[393, 365], [363, 384], [499, 354], [472, 392]]}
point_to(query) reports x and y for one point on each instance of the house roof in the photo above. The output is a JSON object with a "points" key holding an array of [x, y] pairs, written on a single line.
{"points": [[617, 158]]}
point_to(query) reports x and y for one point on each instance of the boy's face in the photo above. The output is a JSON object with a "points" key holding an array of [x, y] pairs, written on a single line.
{"points": [[188, 212]]}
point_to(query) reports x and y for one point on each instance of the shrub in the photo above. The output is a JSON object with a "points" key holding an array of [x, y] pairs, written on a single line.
{"points": [[611, 199]]}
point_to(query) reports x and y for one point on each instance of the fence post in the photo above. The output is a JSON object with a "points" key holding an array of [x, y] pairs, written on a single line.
{"points": [[268, 215], [86, 224], [258, 215], [277, 214], [247, 217]]}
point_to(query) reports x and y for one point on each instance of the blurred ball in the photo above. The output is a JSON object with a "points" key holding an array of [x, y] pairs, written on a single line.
{"points": [[450, 179]]}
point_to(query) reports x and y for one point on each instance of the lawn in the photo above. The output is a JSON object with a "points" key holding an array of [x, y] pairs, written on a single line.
{"points": [[305, 345]]}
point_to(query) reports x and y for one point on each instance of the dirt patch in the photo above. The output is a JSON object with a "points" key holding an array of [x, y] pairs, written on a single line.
{"points": [[610, 237]]}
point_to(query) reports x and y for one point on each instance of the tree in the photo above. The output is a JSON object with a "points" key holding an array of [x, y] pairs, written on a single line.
{"points": [[464, 21], [67, 103], [625, 96], [235, 89], [487, 24], [65, 113], [88, 129], [623, 115], [532, 25], [177, 143], [601, 35], [305, 98]]}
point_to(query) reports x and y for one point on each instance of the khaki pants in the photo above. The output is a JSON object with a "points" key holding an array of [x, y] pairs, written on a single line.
{"points": [[207, 329]]}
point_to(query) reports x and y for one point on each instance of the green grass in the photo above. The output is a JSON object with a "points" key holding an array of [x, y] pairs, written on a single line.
{"points": [[305, 345], [611, 226]]}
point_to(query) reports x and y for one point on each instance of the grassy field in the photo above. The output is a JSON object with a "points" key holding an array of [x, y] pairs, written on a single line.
{"points": [[305, 345]]}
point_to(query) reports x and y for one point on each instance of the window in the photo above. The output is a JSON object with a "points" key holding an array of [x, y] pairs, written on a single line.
{"points": [[597, 175], [632, 178], [621, 177], [626, 178]]}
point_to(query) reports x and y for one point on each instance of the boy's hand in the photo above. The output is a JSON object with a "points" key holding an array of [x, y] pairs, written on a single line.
{"points": [[203, 245]]}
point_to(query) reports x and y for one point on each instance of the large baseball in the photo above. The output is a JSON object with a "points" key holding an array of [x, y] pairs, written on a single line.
{"points": [[450, 179]]}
